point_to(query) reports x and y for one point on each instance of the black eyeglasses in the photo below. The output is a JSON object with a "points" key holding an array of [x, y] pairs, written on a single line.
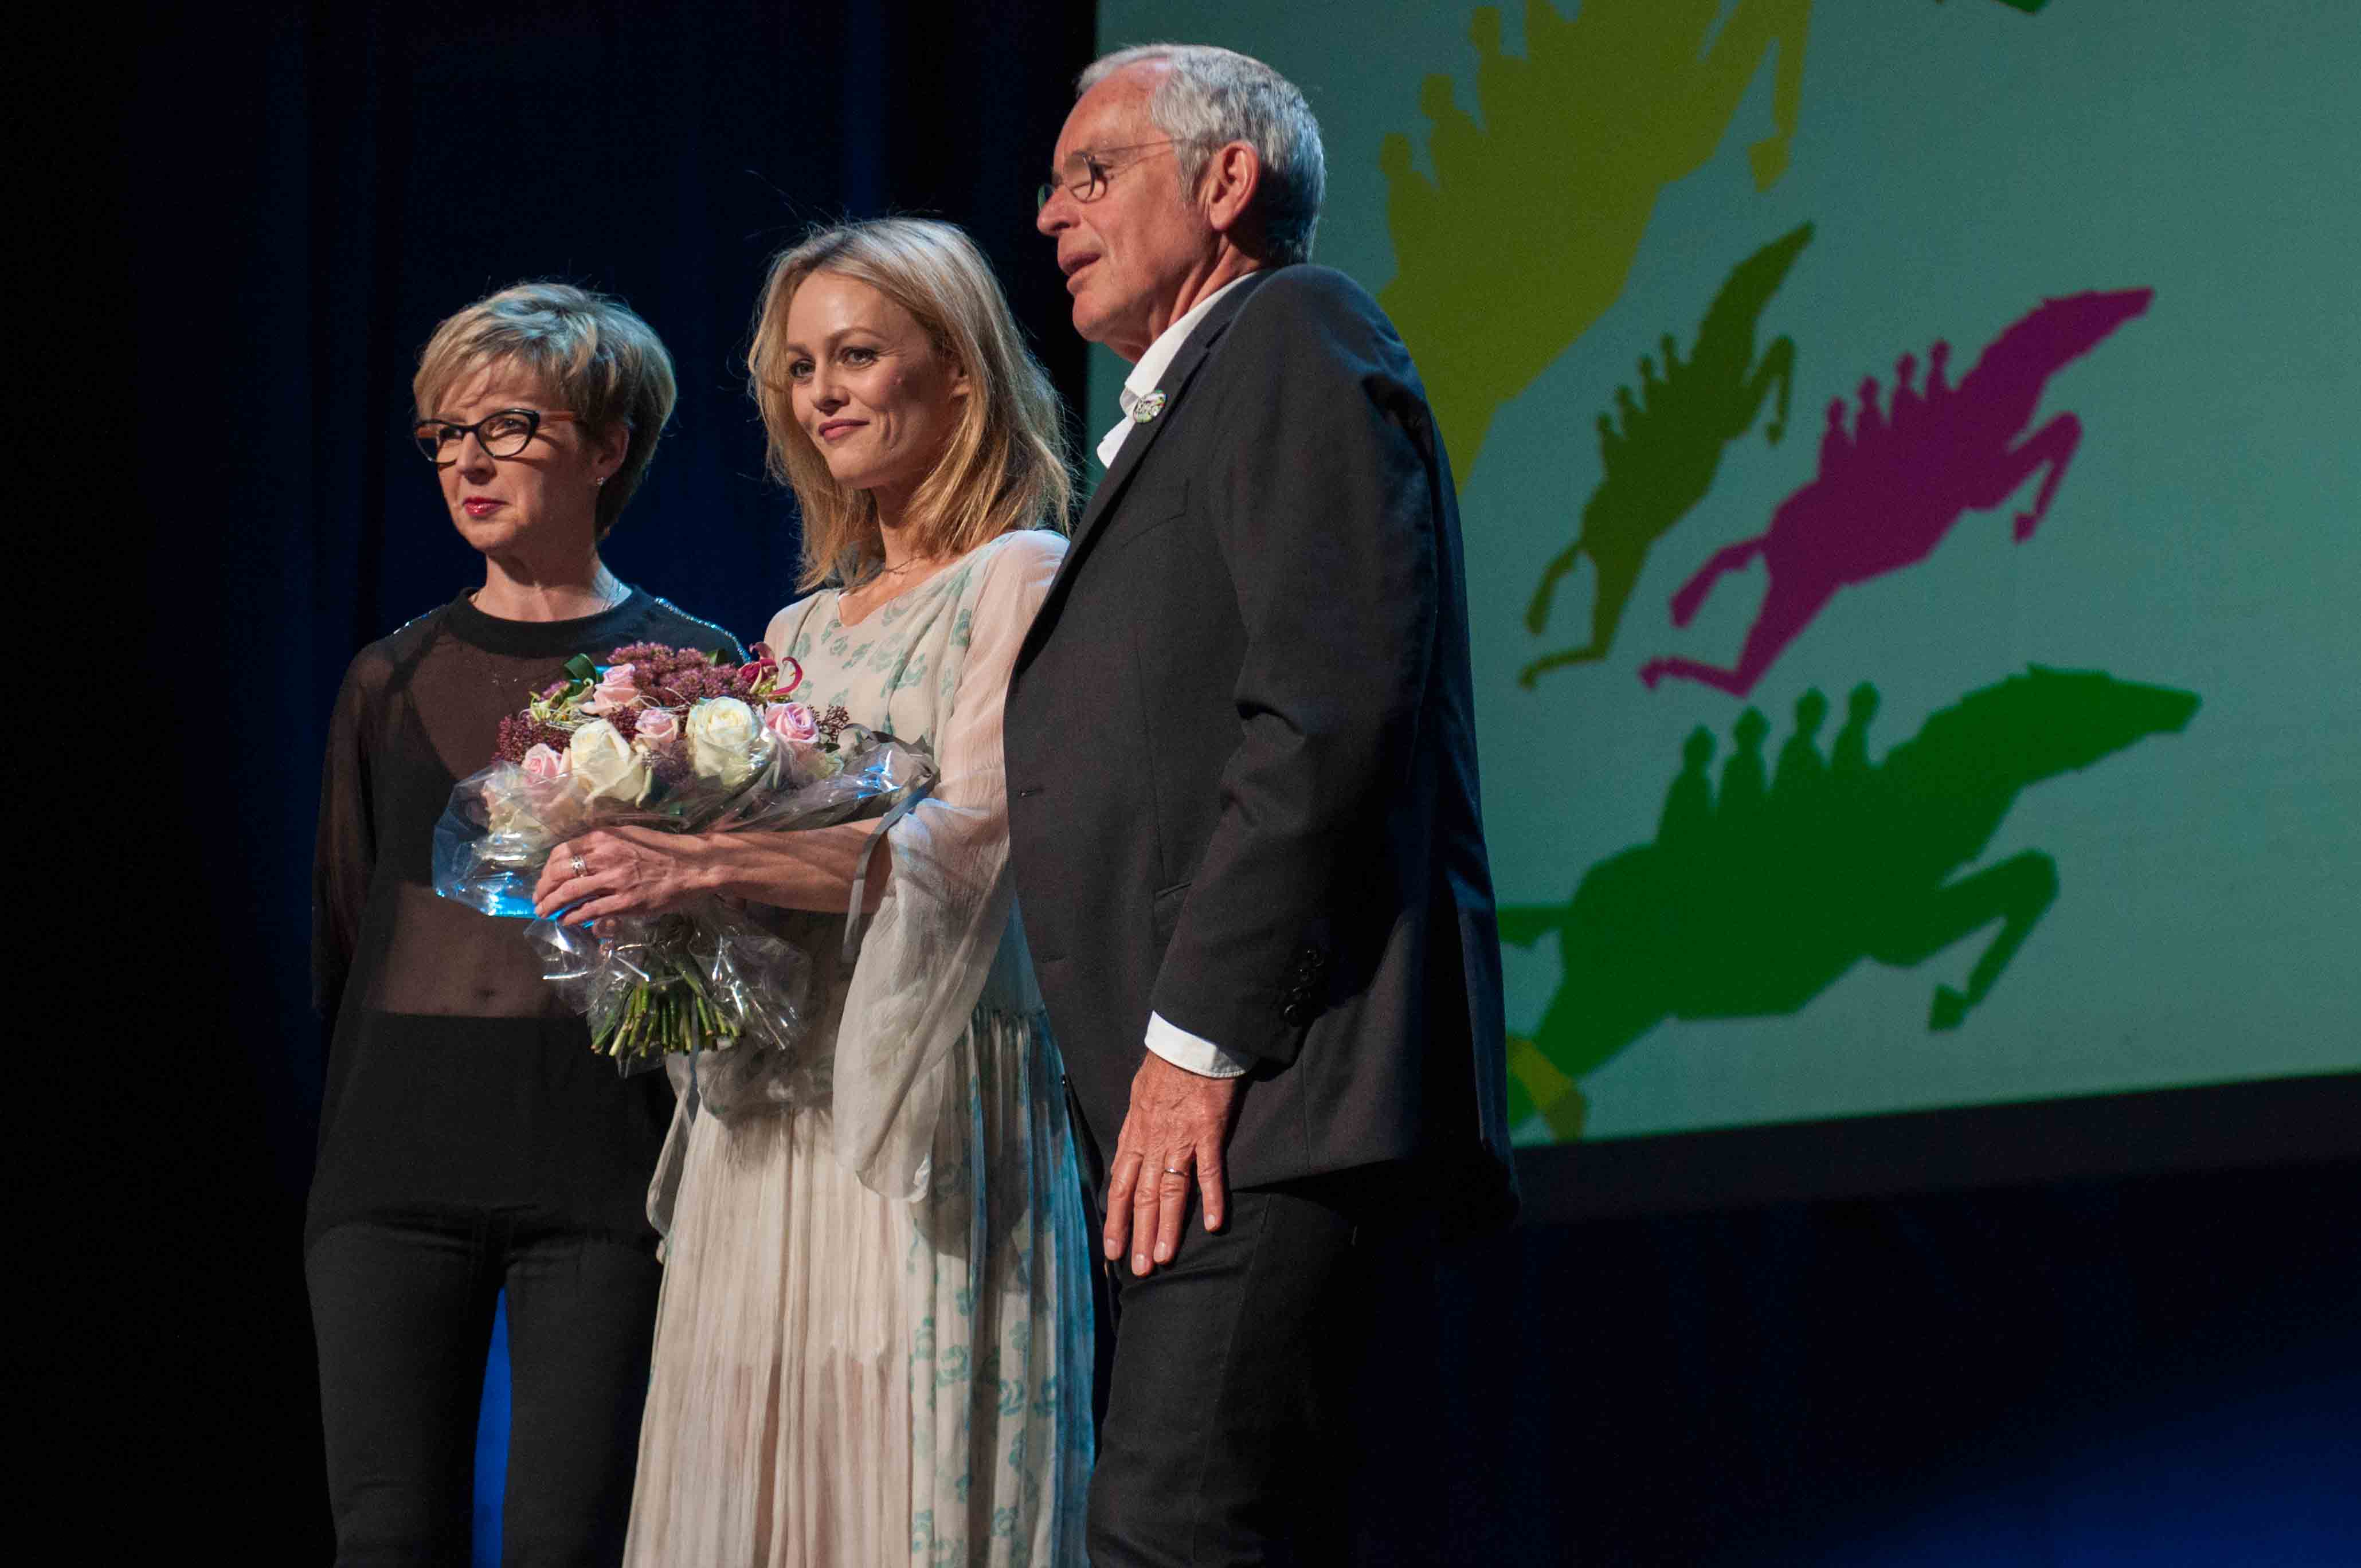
{"points": [[1086, 174], [502, 435]]}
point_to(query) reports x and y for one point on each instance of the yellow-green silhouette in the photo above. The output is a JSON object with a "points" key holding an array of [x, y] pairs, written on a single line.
{"points": [[1752, 902], [1528, 230], [1662, 459]]}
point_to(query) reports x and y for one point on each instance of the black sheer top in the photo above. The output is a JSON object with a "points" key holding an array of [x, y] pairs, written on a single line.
{"points": [[457, 1078]]}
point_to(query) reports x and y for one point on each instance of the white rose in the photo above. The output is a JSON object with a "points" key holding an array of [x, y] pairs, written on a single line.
{"points": [[721, 735], [604, 766]]}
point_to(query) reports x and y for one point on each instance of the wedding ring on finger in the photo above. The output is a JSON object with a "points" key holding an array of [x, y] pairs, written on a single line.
{"points": [[581, 866], [1175, 1170]]}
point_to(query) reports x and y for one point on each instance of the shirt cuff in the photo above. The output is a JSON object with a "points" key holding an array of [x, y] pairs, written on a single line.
{"points": [[1191, 1054]]}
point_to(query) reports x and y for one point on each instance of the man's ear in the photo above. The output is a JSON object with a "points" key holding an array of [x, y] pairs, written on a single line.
{"points": [[1232, 176]]}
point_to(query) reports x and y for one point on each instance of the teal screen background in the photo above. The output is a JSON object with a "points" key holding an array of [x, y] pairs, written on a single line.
{"points": [[1980, 809]]}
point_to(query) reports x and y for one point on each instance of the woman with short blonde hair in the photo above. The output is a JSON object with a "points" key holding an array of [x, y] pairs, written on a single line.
{"points": [[874, 1340], [594, 357], [471, 1144]]}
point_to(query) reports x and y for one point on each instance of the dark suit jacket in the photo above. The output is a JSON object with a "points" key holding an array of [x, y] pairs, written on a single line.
{"points": [[1241, 757]]}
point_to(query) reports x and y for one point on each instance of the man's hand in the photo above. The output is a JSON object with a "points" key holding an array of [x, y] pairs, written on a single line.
{"points": [[1177, 1125]]}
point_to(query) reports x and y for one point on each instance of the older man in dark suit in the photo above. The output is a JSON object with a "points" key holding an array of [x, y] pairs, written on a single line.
{"points": [[1244, 812]]}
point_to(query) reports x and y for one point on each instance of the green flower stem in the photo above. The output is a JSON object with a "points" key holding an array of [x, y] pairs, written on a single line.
{"points": [[672, 1013]]}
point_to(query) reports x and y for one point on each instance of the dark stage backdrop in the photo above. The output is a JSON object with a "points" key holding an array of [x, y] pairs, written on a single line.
{"points": [[317, 192], [2111, 1369], [310, 191]]}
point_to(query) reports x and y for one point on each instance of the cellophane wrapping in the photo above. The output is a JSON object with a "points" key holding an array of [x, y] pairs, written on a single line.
{"points": [[706, 978]]}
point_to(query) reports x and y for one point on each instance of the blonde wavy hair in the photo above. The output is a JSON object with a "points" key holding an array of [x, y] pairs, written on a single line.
{"points": [[592, 355], [1005, 466]]}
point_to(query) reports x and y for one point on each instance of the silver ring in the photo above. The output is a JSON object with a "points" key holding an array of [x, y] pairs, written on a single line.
{"points": [[581, 866], [1174, 1170]]}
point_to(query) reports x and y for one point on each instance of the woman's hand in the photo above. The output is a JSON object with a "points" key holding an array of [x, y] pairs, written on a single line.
{"points": [[627, 870], [638, 870]]}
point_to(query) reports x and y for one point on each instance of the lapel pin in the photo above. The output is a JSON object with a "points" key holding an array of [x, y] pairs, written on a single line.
{"points": [[1148, 408]]}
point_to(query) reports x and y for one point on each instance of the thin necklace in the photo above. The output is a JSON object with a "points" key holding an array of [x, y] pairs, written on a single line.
{"points": [[873, 578]]}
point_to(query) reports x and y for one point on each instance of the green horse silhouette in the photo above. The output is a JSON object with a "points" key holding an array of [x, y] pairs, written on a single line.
{"points": [[1661, 461], [1752, 901]]}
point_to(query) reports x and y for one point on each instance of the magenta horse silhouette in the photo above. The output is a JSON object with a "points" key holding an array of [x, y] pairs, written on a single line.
{"points": [[1888, 492]]}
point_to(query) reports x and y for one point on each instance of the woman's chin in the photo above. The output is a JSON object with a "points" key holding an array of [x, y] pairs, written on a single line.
{"points": [[852, 472], [495, 535]]}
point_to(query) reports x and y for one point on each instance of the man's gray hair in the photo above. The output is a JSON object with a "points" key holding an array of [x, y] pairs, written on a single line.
{"points": [[1210, 97]]}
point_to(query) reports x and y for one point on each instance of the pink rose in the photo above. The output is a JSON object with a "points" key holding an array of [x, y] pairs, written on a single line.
{"points": [[542, 763], [657, 727], [792, 723], [616, 691]]}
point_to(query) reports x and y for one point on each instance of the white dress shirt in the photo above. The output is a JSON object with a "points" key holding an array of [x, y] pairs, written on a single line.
{"points": [[1171, 1041], [1151, 367]]}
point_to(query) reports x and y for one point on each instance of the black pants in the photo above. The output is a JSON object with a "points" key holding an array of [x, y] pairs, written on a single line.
{"points": [[402, 1310], [1265, 1387]]}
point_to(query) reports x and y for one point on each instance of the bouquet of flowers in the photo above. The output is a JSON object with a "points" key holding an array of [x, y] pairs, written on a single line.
{"points": [[682, 742]]}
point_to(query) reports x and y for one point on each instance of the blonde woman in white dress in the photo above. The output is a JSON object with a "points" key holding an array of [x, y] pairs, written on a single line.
{"points": [[874, 1342]]}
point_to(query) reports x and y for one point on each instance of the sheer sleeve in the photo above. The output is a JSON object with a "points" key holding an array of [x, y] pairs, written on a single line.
{"points": [[344, 851], [924, 958]]}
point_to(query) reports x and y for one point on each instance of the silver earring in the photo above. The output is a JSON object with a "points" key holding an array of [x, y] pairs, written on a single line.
{"points": [[600, 480]]}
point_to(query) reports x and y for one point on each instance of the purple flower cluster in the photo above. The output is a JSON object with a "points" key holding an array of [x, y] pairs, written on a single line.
{"points": [[676, 688], [678, 676], [670, 765], [520, 733]]}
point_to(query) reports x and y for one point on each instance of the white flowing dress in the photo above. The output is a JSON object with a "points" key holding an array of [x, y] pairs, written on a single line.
{"points": [[873, 1344]]}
